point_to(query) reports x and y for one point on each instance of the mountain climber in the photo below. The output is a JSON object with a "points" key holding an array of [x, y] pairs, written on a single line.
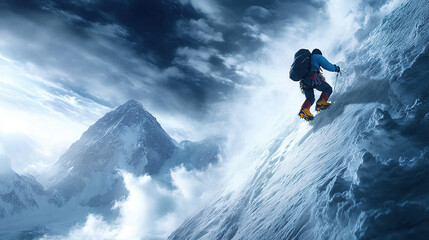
{"points": [[307, 70]]}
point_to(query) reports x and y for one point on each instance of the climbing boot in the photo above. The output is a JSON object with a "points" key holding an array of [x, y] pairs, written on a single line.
{"points": [[322, 104], [306, 114]]}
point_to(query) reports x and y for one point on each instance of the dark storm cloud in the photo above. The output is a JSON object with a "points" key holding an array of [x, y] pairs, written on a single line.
{"points": [[149, 24], [174, 55], [243, 22]]}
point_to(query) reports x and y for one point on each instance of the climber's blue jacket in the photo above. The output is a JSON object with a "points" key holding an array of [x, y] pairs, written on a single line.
{"points": [[318, 61]]}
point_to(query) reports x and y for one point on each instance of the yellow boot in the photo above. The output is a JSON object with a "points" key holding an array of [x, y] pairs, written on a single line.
{"points": [[306, 114], [322, 104]]}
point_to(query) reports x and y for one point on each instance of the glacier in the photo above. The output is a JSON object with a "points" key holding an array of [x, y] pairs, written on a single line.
{"points": [[360, 170]]}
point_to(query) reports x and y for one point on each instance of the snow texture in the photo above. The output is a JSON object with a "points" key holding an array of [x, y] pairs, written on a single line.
{"points": [[360, 170]]}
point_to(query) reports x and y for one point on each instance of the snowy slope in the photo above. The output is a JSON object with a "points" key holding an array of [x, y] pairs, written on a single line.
{"points": [[360, 170]]}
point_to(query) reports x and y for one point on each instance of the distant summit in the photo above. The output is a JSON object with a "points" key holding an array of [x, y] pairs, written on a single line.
{"points": [[127, 138], [129, 113]]}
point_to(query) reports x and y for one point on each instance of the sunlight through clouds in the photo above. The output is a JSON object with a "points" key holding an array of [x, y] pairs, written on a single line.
{"points": [[46, 114]]}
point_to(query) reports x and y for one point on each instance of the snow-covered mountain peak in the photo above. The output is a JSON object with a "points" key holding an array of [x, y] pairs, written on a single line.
{"points": [[128, 115], [127, 138]]}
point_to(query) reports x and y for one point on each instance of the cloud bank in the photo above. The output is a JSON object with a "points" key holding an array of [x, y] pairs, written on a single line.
{"points": [[150, 211]]}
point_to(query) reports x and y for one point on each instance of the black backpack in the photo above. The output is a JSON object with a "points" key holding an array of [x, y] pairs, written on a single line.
{"points": [[301, 65]]}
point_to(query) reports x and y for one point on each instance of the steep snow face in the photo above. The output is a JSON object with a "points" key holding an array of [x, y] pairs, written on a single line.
{"points": [[360, 170], [128, 138]]}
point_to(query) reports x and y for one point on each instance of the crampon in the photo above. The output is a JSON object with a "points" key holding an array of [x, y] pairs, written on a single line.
{"points": [[306, 114]]}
